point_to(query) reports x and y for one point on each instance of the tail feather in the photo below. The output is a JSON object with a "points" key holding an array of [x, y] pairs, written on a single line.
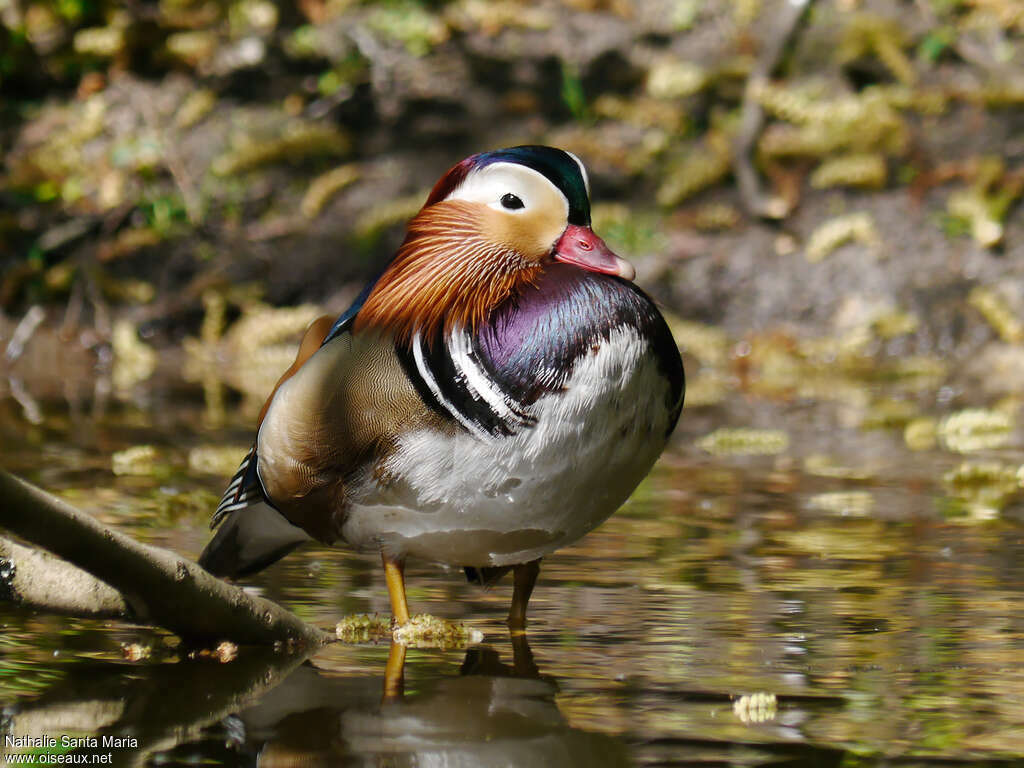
{"points": [[243, 489], [250, 539], [251, 534]]}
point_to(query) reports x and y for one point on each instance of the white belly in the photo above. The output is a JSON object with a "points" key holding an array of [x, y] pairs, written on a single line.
{"points": [[467, 500]]}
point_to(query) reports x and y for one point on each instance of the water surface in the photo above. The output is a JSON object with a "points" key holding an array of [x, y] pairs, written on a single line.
{"points": [[883, 625]]}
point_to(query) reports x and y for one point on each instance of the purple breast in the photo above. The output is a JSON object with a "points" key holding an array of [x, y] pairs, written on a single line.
{"points": [[533, 341]]}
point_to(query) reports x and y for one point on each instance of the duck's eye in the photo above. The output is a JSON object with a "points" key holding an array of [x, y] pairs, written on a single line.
{"points": [[510, 201]]}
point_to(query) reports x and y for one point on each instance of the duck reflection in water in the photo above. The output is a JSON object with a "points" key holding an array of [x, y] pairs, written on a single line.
{"points": [[491, 714], [271, 710]]}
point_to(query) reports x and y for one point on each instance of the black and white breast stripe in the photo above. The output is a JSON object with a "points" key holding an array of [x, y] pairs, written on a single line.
{"points": [[450, 378]]}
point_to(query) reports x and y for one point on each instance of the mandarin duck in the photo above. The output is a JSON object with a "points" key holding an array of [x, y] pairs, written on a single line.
{"points": [[495, 394]]}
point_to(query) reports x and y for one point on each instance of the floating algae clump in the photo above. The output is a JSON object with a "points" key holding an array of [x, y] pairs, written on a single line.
{"points": [[921, 434], [743, 441], [853, 227], [134, 361], [219, 460], [844, 503], [825, 466], [425, 631], [975, 429], [137, 460], [984, 488], [363, 629], [755, 707], [422, 631], [889, 412]]}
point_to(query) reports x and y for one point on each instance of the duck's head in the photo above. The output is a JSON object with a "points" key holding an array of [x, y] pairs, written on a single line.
{"points": [[489, 228]]}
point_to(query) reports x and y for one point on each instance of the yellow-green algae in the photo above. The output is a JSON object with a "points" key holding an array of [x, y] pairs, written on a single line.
{"points": [[985, 203], [696, 170], [671, 78], [219, 460], [818, 126], [134, 361], [844, 503], [642, 111], [363, 628], [744, 441], [326, 186], [713, 217], [975, 429], [994, 309], [758, 707], [710, 345], [421, 631], [870, 35], [921, 434], [865, 169], [137, 460], [389, 213], [426, 631], [984, 488], [887, 412], [825, 466], [298, 142], [706, 389], [852, 227], [195, 107]]}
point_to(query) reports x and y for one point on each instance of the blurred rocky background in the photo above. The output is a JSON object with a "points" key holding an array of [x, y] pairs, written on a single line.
{"points": [[170, 172]]}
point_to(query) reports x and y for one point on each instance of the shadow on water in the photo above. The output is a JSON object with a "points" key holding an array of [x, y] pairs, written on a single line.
{"points": [[269, 709]]}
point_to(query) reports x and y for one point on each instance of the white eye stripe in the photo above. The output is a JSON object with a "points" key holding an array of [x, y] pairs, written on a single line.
{"points": [[492, 182]]}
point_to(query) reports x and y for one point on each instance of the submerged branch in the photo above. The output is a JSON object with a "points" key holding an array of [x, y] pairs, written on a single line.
{"points": [[157, 585]]}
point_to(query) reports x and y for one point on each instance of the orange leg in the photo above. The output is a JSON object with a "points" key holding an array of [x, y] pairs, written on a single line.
{"points": [[394, 673], [394, 574], [524, 578]]}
